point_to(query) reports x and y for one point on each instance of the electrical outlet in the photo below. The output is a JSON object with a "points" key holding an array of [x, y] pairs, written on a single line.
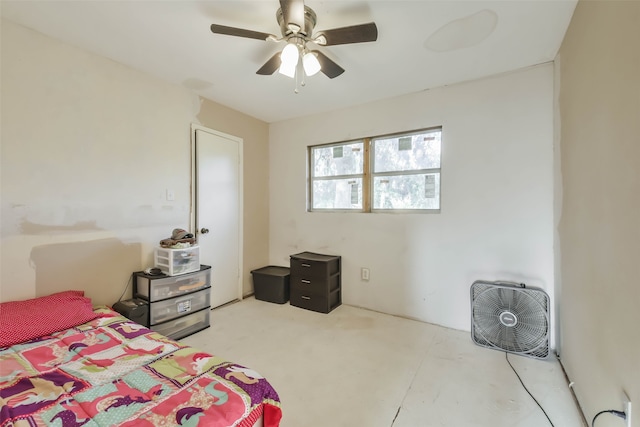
{"points": [[364, 273], [626, 407]]}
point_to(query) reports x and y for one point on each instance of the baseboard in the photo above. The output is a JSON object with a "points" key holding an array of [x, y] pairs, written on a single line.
{"points": [[585, 423]]}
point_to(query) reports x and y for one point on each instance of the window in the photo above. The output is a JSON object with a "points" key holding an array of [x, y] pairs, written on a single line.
{"points": [[337, 173], [379, 174]]}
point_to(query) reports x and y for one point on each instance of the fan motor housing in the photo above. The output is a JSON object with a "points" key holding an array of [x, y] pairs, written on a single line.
{"points": [[510, 317], [310, 20]]}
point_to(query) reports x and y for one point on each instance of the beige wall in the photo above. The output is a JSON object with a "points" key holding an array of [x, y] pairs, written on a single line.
{"points": [[89, 148], [600, 220], [496, 221]]}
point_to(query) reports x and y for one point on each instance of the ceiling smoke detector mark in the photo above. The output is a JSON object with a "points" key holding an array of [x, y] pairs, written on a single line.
{"points": [[464, 32]]}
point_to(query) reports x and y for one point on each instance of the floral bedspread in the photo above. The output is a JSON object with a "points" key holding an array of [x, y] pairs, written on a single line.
{"points": [[111, 371]]}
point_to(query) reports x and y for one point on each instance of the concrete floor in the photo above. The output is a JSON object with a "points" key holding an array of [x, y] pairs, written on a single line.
{"points": [[355, 367]]}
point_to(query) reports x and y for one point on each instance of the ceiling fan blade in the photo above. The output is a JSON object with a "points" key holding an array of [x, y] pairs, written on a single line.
{"points": [[345, 35], [239, 32], [270, 66], [327, 66], [293, 14]]}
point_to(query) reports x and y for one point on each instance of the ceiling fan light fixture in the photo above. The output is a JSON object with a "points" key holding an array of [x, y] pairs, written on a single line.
{"points": [[287, 70], [297, 22], [310, 63], [290, 56]]}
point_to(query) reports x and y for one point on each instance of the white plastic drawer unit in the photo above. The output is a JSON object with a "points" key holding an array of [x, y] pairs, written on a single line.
{"points": [[177, 261], [162, 311], [183, 326], [163, 287]]}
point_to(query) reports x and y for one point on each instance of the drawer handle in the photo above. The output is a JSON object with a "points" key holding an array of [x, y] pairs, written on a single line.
{"points": [[305, 297], [305, 281], [305, 265]]}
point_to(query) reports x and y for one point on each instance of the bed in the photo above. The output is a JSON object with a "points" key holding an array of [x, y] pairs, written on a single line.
{"points": [[65, 363]]}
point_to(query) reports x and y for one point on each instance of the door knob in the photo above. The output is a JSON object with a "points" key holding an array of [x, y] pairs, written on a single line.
{"points": [[204, 230]]}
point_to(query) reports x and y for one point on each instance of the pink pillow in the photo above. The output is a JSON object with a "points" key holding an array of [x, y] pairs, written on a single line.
{"points": [[22, 321]]}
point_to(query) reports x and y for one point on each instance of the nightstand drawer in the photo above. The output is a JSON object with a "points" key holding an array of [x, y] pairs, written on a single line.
{"points": [[309, 264], [309, 300], [314, 301], [157, 288], [314, 284], [183, 326], [175, 307]]}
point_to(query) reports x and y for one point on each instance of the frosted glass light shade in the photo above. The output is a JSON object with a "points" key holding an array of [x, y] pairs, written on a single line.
{"points": [[289, 57], [310, 64], [290, 54], [288, 70]]}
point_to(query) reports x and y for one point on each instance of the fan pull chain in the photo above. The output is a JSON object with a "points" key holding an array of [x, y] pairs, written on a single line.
{"points": [[299, 72]]}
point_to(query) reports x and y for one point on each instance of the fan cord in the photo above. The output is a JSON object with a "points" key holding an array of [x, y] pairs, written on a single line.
{"points": [[608, 411], [126, 287], [506, 355]]}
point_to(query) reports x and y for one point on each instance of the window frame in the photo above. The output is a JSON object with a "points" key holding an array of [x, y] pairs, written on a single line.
{"points": [[311, 178], [368, 175], [426, 171]]}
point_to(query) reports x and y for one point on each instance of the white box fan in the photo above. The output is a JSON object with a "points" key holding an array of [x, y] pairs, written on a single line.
{"points": [[510, 317]]}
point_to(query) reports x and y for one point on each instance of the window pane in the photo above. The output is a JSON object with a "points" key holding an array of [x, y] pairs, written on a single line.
{"points": [[410, 152], [344, 159], [337, 194], [419, 191]]}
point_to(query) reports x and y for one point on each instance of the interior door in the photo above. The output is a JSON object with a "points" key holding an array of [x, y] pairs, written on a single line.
{"points": [[218, 210]]}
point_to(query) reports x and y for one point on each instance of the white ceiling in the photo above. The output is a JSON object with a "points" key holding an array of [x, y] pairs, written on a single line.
{"points": [[421, 45]]}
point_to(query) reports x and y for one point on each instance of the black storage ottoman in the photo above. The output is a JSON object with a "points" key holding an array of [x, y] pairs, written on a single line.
{"points": [[271, 284]]}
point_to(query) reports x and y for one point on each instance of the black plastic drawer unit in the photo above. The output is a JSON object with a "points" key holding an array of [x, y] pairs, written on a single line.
{"points": [[178, 305], [315, 281]]}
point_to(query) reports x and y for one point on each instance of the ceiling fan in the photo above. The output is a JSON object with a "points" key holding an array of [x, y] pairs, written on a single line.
{"points": [[297, 22]]}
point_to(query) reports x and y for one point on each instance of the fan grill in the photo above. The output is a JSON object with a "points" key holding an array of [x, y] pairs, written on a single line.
{"points": [[510, 318]]}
